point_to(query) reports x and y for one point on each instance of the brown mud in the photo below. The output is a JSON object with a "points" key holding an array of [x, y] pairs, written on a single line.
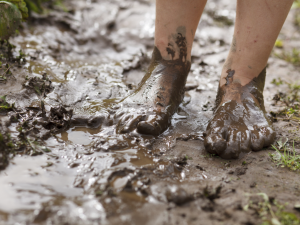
{"points": [[63, 160]]}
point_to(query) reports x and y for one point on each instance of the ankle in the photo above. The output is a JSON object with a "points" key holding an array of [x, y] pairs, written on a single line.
{"points": [[178, 48], [161, 45], [243, 74]]}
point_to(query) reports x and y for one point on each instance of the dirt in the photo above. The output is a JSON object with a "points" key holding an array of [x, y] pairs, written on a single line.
{"points": [[62, 161]]}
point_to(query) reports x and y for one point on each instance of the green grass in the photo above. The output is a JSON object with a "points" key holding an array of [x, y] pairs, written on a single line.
{"points": [[42, 6], [285, 157], [296, 4], [4, 106], [291, 57], [291, 99], [270, 211]]}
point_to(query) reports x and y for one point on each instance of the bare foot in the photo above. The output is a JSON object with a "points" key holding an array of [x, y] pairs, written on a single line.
{"points": [[240, 123], [150, 108]]}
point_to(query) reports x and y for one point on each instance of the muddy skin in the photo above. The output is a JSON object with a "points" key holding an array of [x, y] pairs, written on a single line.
{"points": [[240, 123], [149, 109]]}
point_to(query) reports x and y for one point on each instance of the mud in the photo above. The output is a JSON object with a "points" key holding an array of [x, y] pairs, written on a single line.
{"points": [[64, 161]]}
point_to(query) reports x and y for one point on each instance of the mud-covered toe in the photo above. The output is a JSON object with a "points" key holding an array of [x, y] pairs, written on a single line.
{"points": [[154, 124], [90, 121], [130, 124], [238, 142], [228, 144]]}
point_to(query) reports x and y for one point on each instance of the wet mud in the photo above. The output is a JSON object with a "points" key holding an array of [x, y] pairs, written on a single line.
{"points": [[67, 158]]}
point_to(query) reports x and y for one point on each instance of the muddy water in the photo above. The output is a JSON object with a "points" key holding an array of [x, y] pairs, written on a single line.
{"points": [[88, 174], [85, 166]]}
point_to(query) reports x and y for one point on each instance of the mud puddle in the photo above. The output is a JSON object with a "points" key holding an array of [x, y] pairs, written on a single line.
{"points": [[75, 168]]}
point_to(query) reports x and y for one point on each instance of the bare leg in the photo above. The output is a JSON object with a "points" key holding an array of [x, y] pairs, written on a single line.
{"points": [[240, 123], [150, 108], [173, 17]]}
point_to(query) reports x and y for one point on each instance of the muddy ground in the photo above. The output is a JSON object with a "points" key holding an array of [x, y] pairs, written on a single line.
{"points": [[62, 161]]}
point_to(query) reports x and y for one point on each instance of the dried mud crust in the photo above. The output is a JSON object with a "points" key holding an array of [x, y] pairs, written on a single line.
{"points": [[150, 107], [240, 123]]}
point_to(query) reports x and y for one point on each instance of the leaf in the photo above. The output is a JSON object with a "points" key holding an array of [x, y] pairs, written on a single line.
{"points": [[21, 5], [10, 19]]}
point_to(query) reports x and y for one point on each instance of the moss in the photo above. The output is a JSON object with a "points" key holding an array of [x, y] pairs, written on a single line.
{"points": [[21, 5], [42, 6], [11, 18]]}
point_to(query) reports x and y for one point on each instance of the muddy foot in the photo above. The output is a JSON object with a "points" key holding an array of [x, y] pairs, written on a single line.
{"points": [[240, 123], [150, 108]]}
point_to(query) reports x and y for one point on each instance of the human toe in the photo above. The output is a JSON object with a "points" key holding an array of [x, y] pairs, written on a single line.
{"points": [[153, 125], [235, 144], [131, 124]]}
